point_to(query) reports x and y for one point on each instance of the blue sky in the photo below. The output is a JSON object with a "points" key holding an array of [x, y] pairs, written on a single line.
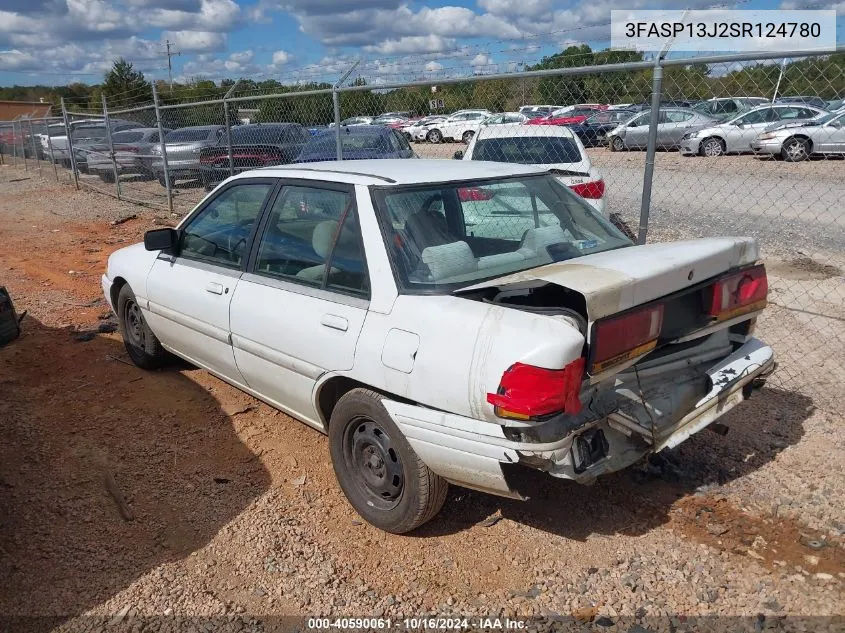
{"points": [[58, 41]]}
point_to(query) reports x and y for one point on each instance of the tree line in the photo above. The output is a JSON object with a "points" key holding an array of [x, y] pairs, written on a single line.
{"points": [[125, 87]]}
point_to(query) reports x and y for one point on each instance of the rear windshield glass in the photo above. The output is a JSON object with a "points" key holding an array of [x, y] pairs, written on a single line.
{"points": [[88, 132], [350, 142], [255, 134], [56, 130], [182, 136], [445, 236], [528, 150], [127, 137]]}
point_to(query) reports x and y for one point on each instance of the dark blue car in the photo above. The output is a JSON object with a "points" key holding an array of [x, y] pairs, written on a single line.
{"points": [[358, 142]]}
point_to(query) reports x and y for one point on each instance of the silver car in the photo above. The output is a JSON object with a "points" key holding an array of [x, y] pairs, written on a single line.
{"points": [[822, 135], [672, 125], [735, 135], [183, 148], [133, 153]]}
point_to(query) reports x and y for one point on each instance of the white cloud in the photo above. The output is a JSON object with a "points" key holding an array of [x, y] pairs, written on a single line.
{"points": [[280, 58], [18, 60], [433, 67], [412, 44], [196, 41], [516, 8], [213, 15], [482, 59]]}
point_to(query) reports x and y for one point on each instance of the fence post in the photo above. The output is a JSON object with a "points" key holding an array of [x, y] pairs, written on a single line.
{"points": [[70, 144], [229, 127], [163, 149], [111, 146], [34, 148], [336, 104], [654, 119], [23, 145], [52, 157]]}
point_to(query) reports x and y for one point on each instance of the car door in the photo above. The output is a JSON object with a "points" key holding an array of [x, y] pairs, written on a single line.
{"points": [[297, 312], [636, 132], [747, 127], [189, 294], [831, 136]]}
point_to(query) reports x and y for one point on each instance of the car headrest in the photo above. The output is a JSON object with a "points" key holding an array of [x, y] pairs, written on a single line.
{"points": [[448, 260]]}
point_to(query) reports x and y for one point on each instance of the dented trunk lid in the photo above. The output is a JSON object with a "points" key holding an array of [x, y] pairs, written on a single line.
{"points": [[614, 281]]}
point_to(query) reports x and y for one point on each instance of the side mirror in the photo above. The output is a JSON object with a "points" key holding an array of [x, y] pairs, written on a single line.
{"points": [[458, 155], [166, 240]]}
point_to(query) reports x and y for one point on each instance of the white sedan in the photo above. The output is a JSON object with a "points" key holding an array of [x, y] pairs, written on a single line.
{"points": [[551, 147], [360, 298]]}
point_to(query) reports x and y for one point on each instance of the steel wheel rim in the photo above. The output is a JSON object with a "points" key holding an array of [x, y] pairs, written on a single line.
{"points": [[796, 150], [617, 143], [374, 463], [435, 136], [134, 322]]}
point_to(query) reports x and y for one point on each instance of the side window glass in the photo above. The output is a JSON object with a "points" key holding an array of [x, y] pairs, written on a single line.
{"points": [[153, 137], [219, 234], [789, 113], [313, 238]]}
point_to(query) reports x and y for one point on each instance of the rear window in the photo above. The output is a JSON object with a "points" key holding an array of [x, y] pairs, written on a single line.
{"points": [[127, 137], [182, 136], [349, 142], [56, 130], [80, 133], [528, 150]]}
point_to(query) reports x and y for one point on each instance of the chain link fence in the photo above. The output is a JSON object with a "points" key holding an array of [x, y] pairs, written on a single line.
{"points": [[668, 150]]}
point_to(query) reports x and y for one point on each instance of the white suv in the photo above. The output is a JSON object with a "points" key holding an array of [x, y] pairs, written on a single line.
{"points": [[460, 126], [460, 322]]}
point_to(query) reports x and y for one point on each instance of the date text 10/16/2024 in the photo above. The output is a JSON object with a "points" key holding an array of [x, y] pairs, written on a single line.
{"points": [[417, 624]]}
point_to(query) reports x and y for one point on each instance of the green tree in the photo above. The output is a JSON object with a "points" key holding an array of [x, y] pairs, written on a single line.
{"points": [[124, 86]]}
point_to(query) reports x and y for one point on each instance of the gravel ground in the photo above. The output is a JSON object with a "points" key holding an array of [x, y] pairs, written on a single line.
{"points": [[129, 495]]}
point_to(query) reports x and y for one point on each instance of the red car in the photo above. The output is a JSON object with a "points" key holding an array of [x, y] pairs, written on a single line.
{"points": [[570, 115]]}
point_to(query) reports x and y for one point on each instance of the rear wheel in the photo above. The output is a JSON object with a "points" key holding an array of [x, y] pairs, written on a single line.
{"points": [[107, 176], [616, 144], [380, 474], [162, 181], [141, 344], [712, 146], [795, 150], [434, 136]]}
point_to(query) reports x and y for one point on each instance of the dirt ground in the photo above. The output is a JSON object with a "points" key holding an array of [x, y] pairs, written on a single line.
{"points": [[134, 500]]}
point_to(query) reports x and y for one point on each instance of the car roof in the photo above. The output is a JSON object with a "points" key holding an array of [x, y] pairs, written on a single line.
{"points": [[395, 171], [354, 130], [518, 130]]}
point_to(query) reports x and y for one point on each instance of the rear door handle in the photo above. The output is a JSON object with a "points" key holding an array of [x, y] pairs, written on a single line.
{"points": [[335, 322], [214, 288]]}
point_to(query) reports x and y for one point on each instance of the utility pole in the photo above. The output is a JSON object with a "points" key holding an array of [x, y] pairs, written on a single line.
{"points": [[170, 54]]}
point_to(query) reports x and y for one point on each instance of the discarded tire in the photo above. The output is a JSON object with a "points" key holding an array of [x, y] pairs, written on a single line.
{"points": [[9, 327]]}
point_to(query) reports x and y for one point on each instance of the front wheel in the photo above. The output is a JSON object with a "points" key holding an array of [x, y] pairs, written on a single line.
{"points": [[141, 344], [434, 136], [467, 137], [616, 144], [795, 150], [380, 474], [712, 147]]}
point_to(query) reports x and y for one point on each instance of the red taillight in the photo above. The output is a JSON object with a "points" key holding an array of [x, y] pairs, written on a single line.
{"points": [[740, 293], [473, 194], [622, 338], [526, 391], [132, 149], [207, 160], [591, 190]]}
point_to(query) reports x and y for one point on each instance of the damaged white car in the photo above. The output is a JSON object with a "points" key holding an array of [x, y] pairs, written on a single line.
{"points": [[449, 321]]}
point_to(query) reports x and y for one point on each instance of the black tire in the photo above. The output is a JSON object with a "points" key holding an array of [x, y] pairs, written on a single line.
{"points": [[107, 176], [712, 147], [207, 184], [380, 474], [434, 136], [467, 137], [616, 144], [163, 182], [795, 149], [141, 344]]}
